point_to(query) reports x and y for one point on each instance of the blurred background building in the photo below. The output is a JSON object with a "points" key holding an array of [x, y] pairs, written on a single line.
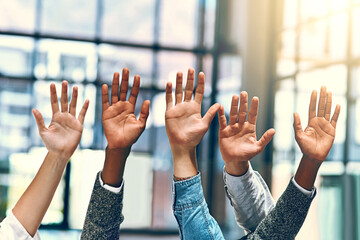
{"points": [[278, 50]]}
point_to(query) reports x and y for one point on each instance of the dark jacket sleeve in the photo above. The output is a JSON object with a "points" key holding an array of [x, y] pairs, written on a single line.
{"points": [[103, 216], [285, 220]]}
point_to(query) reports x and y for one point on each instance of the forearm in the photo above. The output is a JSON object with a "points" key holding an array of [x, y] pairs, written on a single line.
{"points": [[184, 162], [114, 166], [33, 204], [191, 211], [250, 198], [306, 173]]}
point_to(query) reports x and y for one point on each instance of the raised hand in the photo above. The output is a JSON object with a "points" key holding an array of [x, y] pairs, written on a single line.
{"points": [[61, 139], [184, 125], [121, 127], [237, 141], [316, 140], [64, 132]]}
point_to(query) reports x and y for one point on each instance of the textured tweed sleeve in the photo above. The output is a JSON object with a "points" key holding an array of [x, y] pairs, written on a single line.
{"points": [[285, 220], [103, 217]]}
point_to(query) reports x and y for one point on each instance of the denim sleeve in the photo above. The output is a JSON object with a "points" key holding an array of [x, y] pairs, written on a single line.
{"points": [[191, 211], [250, 197]]}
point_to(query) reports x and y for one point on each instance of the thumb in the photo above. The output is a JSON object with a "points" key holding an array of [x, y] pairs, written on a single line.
{"points": [[210, 114], [297, 126], [39, 120], [144, 112], [266, 138]]}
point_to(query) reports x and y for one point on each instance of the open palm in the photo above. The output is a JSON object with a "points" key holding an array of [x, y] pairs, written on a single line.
{"points": [[184, 125], [64, 132], [121, 127], [237, 141], [317, 139]]}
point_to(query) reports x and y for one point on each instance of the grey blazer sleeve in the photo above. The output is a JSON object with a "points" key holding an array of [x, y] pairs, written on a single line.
{"points": [[286, 218], [104, 214]]}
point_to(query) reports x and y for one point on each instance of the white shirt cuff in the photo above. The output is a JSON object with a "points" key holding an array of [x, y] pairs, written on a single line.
{"points": [[11, 228], [307, 193], [110, 188]]}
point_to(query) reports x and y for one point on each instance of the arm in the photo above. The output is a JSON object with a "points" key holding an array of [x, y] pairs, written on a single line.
{"points": [[315, 142], [61, 139], [247, 191], [122, 129], [185, 128]]}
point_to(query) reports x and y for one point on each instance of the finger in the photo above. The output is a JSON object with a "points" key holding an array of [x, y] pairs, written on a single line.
{"points": [[115, 88], [312, 105], [124, 84], [54, 99], [39, 120], [234, 110], [222, 118], [169, 102], [105, 97], [144, 112], [73, 101], [210, 114], [266, 138], [178, 88], [135, 90], [322, 99], [335, 117], [189, 88], [199, 93], [243, 107], [83, 111], [253, 110], [297, 126], [64, 97], [328, 105]]}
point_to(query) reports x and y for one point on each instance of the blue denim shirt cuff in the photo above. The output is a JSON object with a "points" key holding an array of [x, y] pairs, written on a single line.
{"points": [[188, 193]]}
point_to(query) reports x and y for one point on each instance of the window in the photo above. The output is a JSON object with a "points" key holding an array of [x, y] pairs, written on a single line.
{"points": [[85, 42]]}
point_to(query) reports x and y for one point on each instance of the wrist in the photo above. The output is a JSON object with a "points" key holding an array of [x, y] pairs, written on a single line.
{"points": [[114, 165], [185, 164], [237, 168], [307, 171]]}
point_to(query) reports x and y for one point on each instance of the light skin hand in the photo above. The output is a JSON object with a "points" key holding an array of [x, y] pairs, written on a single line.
{"points": [[317, 139], [184, 125], [61, 139], [121, 127], [64, 132], [237, 141]]}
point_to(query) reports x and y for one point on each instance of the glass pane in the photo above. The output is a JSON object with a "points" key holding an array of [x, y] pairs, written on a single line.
{"points": [[17, 15], [210, 17], [23, 167], [290, 13], [207, 69], [75, 18], [355, 82], [354, 130], [338, 36], [286, 59], [114, 59], [312, 43], [16, 56], [179, 23], [129, 21], [311, 10], [333, 77], [336, 5], [230, 73], [356, 32], [70, 60], [169, 63]]}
